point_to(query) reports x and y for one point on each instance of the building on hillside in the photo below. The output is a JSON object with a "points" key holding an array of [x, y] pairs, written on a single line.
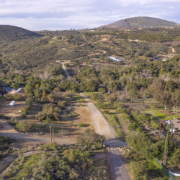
{"points": [[18, 91], [114, 58]]}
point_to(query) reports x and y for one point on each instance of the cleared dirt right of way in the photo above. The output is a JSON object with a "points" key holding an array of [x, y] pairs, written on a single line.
{"points": [[103, 127]]}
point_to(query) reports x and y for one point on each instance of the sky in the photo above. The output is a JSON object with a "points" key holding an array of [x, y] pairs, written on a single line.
{"points": [[38, 15]]}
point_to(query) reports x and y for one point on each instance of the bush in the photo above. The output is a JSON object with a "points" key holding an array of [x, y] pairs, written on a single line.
{"points": [[82, 125], [24, 126], [132, 127], [90, 138], [17, 97], [66, 64], [23, 114], [48, 120], [62, 103], [29, 101], [138, 170], [120, 109], [106, 111], [50, 111]]}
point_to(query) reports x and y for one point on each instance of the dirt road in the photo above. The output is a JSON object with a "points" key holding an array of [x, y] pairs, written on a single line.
{"points": [[66, 72], [102, 127], [12, 133]]}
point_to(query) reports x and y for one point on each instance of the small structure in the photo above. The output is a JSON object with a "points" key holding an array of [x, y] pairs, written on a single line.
{"points": [[114, 58], [12, 103], [164, 59], [18, 91]]}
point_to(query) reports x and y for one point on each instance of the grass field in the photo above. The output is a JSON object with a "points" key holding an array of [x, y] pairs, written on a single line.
{"points": [[161, 115], [88, 93]]}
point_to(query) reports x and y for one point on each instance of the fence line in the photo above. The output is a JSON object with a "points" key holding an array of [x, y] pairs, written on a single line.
{"points": [[164, 169]]}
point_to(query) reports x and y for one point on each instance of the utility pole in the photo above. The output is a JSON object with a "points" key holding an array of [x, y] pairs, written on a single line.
{"points": [[51, 131], [126, 91], [53, 134], [160, 129]]}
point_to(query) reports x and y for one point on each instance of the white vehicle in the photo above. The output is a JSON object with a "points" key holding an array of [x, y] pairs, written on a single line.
{"points": [[12, 103]]}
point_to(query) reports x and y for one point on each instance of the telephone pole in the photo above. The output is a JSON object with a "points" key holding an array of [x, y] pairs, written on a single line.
{"points": [[51, 131], [53, 134]]}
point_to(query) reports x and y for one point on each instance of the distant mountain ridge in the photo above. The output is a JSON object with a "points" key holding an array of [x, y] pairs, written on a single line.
{"points": [[145, 22], [13, 33]]}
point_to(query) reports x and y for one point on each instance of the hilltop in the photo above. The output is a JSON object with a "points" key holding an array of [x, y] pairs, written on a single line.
{"points": [[13, 33], [145, 22]]}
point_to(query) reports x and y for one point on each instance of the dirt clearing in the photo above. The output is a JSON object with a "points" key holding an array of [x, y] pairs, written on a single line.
{"points": [[12, 111]]}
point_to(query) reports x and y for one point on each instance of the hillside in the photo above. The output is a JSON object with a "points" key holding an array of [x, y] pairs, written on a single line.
{"points": [[136, 22], [13, 33]]}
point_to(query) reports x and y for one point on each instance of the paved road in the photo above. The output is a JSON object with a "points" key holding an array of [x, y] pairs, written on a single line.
{"points": [[12, 133], [102, 127], [66, 72]]}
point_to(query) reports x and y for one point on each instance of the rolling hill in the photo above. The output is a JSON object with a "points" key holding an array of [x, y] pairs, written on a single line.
{"points": [[13, 33], [145, 22]]}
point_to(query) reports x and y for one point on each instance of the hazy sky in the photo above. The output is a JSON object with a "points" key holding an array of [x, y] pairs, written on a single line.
{"points": [[78, 14]]}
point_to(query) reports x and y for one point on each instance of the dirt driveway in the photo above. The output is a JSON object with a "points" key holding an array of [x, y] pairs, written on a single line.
{"points": [[102, 127]]}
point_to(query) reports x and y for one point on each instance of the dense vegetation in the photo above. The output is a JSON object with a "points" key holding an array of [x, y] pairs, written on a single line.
{"points": [[141, 22], [52, 161], [13, 33]]}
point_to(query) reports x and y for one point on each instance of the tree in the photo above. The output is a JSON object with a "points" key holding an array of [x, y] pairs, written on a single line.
{"points": [[175, 158], [51, 98], [76, 63], [44, 94], [24, 126], [138, 170], [29, 88], [90, 138], [29, 101], [38, 93], [166, 148], [50, 111]]}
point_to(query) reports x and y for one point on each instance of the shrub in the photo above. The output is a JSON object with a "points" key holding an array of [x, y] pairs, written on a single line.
{"points": [[106, 111], [50, 111], [62, 103], [132, 127], [138, 170], [48, 120], [23, 114], [90, 138], [66, 64], [17, 97], [82, 125], [120, 109], [29, 101], [24, 126]]}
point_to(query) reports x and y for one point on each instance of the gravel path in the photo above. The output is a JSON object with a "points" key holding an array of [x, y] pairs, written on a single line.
{"points": [[102, 127]]}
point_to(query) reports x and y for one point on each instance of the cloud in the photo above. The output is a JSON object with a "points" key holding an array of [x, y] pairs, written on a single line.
{"points": [[63, 14]]}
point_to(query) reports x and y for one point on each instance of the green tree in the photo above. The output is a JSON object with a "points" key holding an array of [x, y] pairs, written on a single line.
{"points": [[29, 101], [24, 126], [166, 148], [38, 93], [29, 89]]}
